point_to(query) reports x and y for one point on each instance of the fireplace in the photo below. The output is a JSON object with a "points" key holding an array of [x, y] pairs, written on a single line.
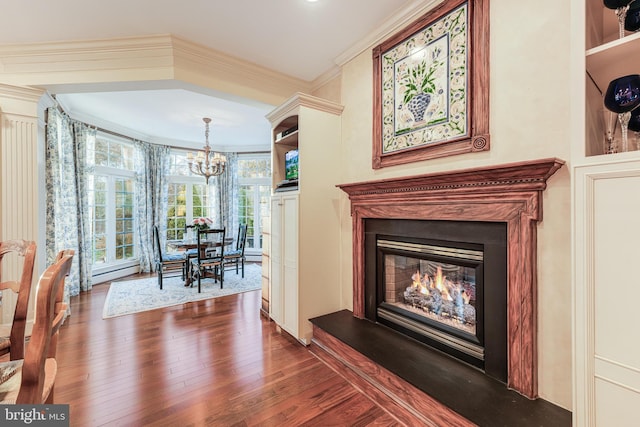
{"points": [[447, 205], [442, 283]]}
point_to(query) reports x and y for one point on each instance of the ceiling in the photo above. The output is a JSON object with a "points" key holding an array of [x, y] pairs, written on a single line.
{"points": [[298, 38]]}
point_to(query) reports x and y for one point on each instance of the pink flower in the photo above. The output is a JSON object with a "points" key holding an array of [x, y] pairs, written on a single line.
{"points": [[203, 223]]}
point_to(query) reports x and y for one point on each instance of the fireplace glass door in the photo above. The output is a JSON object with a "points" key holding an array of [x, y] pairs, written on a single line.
{"points": [[434, 291]]}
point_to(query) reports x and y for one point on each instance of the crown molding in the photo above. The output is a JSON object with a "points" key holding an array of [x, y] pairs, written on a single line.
{"points": [[397, 21], [159, 57], [20, 100], [326, 77], [207, 57], [303, 100], [21, 93], [209, 68]]}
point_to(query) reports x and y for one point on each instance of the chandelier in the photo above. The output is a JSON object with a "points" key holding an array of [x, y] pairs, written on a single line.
{"points": [[206, 163]]}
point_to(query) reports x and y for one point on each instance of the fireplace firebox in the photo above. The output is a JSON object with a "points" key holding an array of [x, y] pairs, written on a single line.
{"points": [[442, 283]]}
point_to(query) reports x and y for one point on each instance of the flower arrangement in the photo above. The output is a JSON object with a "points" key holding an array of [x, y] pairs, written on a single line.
{"points": [[420, 78], [201, 223]]}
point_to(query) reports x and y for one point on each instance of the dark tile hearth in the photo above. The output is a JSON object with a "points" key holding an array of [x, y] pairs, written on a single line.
{"points": [[464, 389]]}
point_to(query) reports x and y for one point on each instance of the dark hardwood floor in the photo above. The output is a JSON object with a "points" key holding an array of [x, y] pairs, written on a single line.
{"points": [[215, 362]]}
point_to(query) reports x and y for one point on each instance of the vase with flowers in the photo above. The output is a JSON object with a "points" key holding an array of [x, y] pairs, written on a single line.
{"points": [[419, 81], [201, 223]]}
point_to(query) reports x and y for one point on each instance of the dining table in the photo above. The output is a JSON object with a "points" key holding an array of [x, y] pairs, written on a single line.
{"points": [[192, 243]]}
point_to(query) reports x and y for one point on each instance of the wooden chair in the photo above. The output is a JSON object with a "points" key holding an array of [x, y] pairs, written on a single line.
{"points": [[209, 261], [236, 256], [31, 380], [14, 343], [166, 262], [60, 306], [189, 253]]}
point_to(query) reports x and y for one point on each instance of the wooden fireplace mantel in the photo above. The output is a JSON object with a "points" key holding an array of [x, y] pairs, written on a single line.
{"points": [[509, 193]]}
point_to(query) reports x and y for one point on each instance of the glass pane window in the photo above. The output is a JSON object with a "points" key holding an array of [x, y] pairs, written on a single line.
{"points": [[112, 209], [246, 211], [178, 164], [254, 192], [254, 167], [200, 208], [186, 202], [177, 213], [101, 153], [98, 208], [124, 219], [264, 194], [111, 152]]}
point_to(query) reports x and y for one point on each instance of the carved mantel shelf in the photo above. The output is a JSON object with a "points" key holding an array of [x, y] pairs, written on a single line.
{"points": [[509, 193]]}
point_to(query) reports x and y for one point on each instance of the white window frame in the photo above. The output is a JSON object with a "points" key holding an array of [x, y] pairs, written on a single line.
{"points": [[110, 228], [189, 181], [256, 182], [113, 268]]}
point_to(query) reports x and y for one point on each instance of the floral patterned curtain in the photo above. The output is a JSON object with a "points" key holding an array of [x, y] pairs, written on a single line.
{"points": [[227, 196], [67, 223], [152, 166], [84, 137]]}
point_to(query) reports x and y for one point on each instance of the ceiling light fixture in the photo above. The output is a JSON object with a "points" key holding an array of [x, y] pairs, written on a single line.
{"points": [[207, 163]]}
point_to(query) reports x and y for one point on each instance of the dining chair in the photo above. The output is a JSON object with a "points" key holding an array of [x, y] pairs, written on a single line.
{"points": [[166, 262], [31, 380], [61, 307], [236, 256], [14, 343], [209, 261], [188, 253]]}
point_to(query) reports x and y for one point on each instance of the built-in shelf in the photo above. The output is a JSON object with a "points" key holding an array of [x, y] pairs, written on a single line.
{"points": [[613, 59], [607, 57], [290, 140]]}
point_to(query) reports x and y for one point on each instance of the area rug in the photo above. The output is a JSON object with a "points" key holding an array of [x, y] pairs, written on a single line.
{"points": [[134, 296]]}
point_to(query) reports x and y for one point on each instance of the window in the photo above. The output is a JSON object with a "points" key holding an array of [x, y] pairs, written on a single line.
{"points": [[186, 202], [112, 202], [99, 210], [188, 197], [124, 218], [254, 179]]}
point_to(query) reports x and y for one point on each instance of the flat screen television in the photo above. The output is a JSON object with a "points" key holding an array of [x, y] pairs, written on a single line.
{"points": [[291, 165]]}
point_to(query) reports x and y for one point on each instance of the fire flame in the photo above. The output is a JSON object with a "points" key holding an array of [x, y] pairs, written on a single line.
{"points": [[421, 284], [465, 296], [441, 285]]}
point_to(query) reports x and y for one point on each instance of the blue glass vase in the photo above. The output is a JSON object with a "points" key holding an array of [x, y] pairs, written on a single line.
{"points": [[621, 8], [615, 4], [622, 97], [623, 94], [632, 20]]}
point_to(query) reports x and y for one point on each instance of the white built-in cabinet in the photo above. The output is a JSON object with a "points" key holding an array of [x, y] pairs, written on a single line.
{"points": [[266, 264], [606, 213], [284, 261], [305, 219]]}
